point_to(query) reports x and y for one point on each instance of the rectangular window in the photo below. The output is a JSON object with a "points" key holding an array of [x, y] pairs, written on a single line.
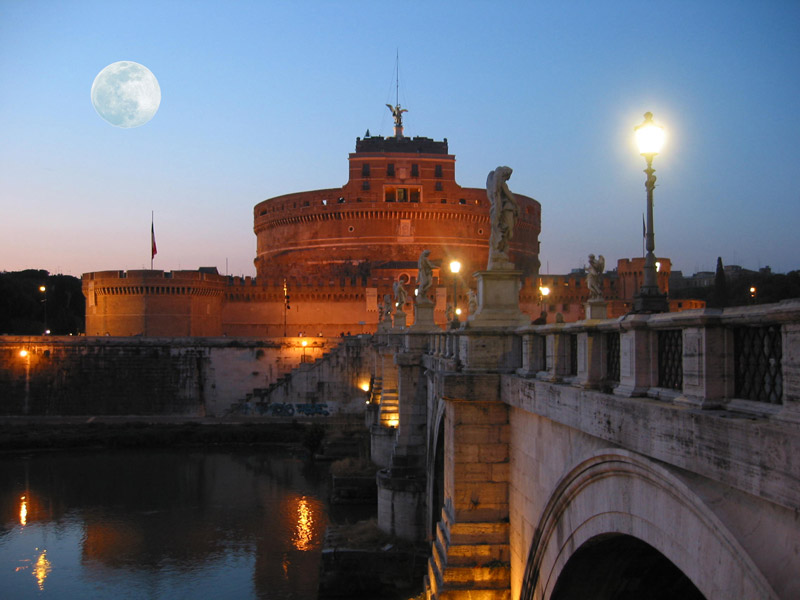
{"points": [[438, 170], [414, 170], [438, 186], [390, 170], [365, 170], [365, 185]]}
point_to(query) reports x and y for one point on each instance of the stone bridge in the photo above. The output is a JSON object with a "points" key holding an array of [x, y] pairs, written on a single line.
{"points": [[652, 456]]}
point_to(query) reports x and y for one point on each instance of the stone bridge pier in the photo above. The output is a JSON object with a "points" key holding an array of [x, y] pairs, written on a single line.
{"points": [[651, 456]]}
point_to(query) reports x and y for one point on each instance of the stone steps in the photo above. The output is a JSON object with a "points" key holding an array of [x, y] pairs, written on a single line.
{"points": [[469, 561]]}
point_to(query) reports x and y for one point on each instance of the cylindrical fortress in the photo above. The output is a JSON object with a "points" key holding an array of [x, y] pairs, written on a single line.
{"points": [[327, 259], [401, 199]]}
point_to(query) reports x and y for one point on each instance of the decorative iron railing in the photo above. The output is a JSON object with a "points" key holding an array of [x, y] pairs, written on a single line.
{"points": [[573, 354], [670, 359], [612, 356], [757, 354]]}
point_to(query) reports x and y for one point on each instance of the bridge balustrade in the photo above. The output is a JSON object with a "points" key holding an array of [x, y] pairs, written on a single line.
{"points": [[743, 358]]}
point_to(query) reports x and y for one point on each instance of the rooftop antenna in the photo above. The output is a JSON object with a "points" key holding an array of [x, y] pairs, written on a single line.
{"points": [[397, 112]]}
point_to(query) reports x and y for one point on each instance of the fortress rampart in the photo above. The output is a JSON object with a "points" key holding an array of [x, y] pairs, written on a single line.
{"points": [[325, 259]]}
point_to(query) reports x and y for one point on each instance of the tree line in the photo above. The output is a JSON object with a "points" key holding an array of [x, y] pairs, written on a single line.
{"points": [[33, 302], [762, 287]]}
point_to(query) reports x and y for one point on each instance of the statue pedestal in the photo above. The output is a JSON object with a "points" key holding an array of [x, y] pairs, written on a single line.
{"points": [[498, 300], [423, 317], [596, 309], [399, 320]]}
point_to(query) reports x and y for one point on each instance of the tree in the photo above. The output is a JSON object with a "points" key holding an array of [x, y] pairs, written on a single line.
{"points": [[719, 297]]}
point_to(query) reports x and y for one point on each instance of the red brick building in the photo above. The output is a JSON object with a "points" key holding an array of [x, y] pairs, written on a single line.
{"points": [[334, 252]]}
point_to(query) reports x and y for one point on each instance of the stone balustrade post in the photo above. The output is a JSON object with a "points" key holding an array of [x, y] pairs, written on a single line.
{"points": [[790, 362], [533, 354], [591, 366], [707, 356], [557, 361], [636, 361]]}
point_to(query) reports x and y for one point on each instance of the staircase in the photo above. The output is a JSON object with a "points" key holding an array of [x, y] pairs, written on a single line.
{"points": [[470, 561]]}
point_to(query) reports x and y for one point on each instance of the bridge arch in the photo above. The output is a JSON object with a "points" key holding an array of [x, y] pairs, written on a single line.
{"points": [[617, 503]]}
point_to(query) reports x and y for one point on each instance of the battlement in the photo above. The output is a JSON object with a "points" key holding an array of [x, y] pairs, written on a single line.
{"points": [[404, 145]]}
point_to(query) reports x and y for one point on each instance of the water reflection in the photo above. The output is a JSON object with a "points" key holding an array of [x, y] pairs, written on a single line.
{"points": [[161, 524], [41, 569], [306, 533]]}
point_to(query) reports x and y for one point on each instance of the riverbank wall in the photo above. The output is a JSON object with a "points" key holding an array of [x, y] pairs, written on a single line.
{"points": [[192, 377]]}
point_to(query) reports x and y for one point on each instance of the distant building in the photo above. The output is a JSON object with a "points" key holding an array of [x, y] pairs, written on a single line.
{"points": [[567, 294]]}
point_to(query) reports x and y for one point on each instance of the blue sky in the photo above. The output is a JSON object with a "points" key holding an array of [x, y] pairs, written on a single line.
{"points": [[266, 98]]}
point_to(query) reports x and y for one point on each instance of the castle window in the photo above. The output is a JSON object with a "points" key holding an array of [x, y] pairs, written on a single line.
{"points": [[324, 202], [390, 170], [414, 170], [414, 195], [390, 196], [438, 186], [402, 195], [438, 170], [444, 200], [462, 201], [365, 185], [365, 170]]}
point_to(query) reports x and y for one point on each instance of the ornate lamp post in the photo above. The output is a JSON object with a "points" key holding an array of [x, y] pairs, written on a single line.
{"points": [[650, 139], [455, 267], [43, 289]]}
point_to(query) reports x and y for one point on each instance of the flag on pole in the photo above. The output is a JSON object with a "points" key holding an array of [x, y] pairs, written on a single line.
{"points": [[153, 249]]}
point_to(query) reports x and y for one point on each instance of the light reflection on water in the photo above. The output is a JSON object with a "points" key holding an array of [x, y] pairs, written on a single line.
{"points": [[154, 524]]}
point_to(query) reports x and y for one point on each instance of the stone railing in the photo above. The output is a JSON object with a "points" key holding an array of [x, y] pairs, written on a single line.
{"points": [[745, 359]]}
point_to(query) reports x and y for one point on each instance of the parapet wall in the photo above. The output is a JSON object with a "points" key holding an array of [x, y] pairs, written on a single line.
{"points": [[142, 376]]}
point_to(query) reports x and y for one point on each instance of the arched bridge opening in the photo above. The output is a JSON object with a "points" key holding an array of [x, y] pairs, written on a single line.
{"points": [[622, 567]]}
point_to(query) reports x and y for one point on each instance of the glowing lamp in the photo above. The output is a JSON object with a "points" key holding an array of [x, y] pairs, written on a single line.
{"points": [[23, 353], [304, 343], [365, 386], [455, 266], [544, 291], [649, 136]]}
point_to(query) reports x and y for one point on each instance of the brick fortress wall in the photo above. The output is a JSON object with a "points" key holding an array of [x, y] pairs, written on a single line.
{"points": [[338, 251]]}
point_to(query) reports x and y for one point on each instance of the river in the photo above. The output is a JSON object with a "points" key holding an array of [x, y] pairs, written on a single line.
{"points": [[162, 525]]}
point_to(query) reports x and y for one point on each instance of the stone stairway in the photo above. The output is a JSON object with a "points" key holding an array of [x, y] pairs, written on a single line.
{"points": [[470, 561]]}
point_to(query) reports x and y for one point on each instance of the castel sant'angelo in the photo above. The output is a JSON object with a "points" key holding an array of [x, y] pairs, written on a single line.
{"points": [[326, 258]]}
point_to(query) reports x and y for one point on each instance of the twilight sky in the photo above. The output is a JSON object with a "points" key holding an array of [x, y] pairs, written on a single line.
{"points": [[265, 98]]}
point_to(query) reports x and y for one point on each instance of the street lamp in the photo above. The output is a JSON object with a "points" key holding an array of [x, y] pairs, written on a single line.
{"points": [[455, 267], [650, 139], [43, 289], [544, 292]]}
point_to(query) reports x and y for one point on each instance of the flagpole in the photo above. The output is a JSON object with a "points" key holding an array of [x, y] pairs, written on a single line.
{"points": [[153, 250]]}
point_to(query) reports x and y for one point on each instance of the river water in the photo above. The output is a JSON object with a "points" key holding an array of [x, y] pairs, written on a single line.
{"points": [[161, 524]]}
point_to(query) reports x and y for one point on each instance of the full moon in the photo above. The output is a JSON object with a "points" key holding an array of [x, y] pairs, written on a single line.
{"points": [[126, 94]]}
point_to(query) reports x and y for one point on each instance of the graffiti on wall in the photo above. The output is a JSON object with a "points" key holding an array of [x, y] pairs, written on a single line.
{"points": [[283, 409]]}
